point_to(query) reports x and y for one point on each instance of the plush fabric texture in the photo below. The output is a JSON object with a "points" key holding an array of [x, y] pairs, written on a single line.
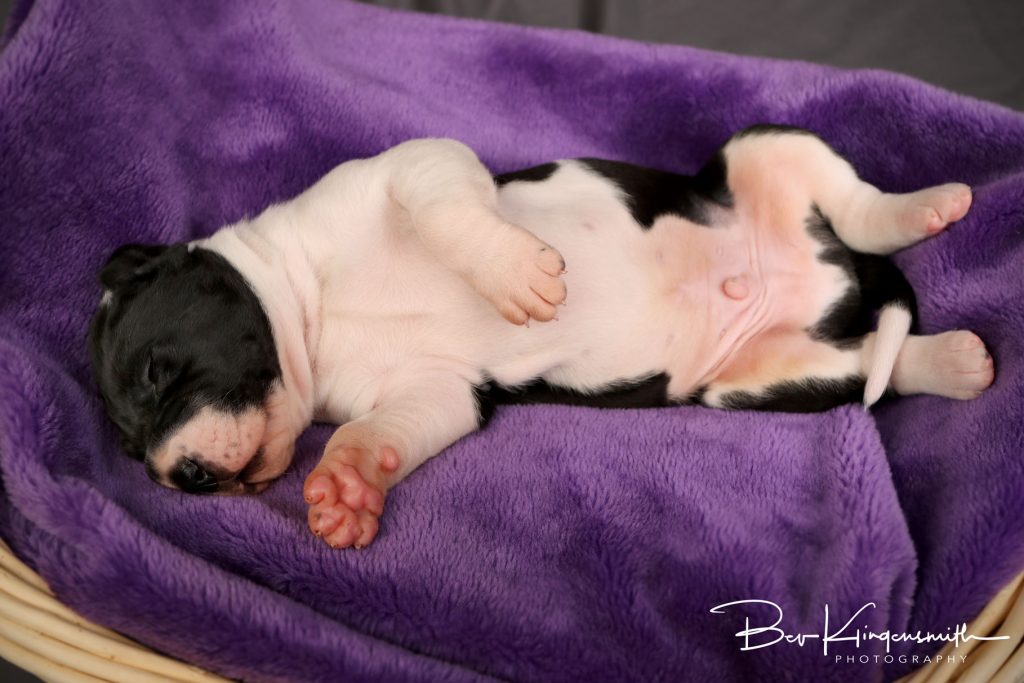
{"points": [[559, 544]]}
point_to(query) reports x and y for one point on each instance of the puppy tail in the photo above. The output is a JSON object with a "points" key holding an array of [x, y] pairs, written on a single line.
{"points": [[893, 327], [884, 288]]}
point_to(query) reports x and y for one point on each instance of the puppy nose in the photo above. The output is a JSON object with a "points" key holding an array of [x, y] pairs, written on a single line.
{"points": [[189, 476]]}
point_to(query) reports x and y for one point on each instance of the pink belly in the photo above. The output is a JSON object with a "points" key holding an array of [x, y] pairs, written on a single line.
{"points": [[721, 288]]}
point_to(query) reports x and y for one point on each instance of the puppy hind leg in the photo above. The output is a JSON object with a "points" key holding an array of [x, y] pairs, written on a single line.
{"points": [[880, 223], [790, 372], [865, 219]]}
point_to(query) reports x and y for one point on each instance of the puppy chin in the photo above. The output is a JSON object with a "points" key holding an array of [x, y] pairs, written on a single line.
{"points": [[276, 448], [279, 435], [240, 488], [274, 457], [244, 451]]}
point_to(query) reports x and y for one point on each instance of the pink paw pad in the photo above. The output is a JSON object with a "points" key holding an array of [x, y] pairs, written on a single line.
{"points": [[344, 506]]}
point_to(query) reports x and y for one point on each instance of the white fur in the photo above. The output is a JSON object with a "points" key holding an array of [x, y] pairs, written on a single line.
{"points": [[390, 283]]}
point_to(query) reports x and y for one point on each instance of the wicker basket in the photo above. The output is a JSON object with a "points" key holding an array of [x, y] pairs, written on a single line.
{"points": [[993, 661], [41, 635]]}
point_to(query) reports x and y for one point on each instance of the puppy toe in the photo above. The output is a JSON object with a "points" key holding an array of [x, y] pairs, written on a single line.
{"points": [[324, 520], [368, 525], [966, 368], [513, 312], [550, 289], [550, 261], [346, 533], [522, 278], [320, 489]]}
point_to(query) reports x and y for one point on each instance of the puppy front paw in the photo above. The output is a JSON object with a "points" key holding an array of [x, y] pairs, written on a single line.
{"points": [[345, 491], [522, 278]]}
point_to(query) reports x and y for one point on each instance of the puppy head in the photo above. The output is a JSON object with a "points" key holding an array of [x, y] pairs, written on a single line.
{"points": [[184, 356]]}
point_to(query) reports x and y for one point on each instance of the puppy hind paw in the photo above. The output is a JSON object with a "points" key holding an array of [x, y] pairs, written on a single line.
{"points": [[953, 364], [931, 210], [968, 366]]}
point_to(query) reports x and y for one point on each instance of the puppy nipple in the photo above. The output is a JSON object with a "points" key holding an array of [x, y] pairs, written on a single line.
{"points": [[736, 287]]}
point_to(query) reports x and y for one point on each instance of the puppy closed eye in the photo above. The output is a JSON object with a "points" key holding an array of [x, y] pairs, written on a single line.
{"points": [[159, 372]]}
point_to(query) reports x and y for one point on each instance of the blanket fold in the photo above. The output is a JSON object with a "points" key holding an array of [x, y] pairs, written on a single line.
{"points": [[561, 543]]}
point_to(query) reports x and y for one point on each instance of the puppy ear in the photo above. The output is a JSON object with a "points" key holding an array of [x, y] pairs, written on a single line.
{"points": [[129, 263]]}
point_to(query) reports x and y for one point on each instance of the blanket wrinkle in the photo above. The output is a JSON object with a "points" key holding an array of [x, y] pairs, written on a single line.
{"points": [[561, 543]]}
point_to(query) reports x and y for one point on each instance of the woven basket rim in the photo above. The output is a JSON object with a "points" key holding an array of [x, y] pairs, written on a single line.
{"points": [[41, 635]]}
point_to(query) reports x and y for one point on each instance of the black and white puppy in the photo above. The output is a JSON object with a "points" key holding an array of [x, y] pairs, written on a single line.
{"points": [[381, 300]]}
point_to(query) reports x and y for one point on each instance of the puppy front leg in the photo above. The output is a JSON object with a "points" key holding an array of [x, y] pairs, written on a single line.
{"points": [[451, 201], [365, 457]]}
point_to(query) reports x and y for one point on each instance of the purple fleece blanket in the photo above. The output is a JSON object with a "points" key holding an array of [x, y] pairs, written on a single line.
{"points": [[560, 544]]}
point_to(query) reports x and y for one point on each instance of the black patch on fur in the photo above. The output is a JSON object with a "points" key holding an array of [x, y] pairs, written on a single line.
{"points": [[881, 283], [644, 392], [847, 319], [182, 330], [835, 251], [485, 404], [131, 263], [696, 396], [874, 282], [798, 396], [711, 181], [535, 174], [650, 193]]}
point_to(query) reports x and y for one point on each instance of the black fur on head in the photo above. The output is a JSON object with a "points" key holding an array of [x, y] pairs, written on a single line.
{"points": [[178, 329]]}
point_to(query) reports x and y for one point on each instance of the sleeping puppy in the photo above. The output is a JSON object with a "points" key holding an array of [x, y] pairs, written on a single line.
{"points": [[395, 298]]}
